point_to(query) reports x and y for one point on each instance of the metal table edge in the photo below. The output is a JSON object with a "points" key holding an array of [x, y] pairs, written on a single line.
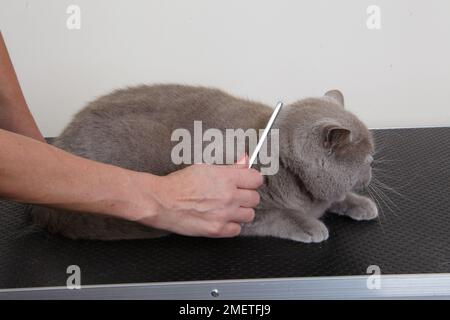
{"points": [[406, 286]]}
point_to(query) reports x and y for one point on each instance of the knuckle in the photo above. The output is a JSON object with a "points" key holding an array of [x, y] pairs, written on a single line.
{"points": [[216, 230], [258, 177], [251, 215], [235, 231], [229, 182], [247, 215], [222, 216], [256, 198], [228, 197]]}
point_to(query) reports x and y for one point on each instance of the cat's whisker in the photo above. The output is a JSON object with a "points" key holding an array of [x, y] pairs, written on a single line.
{"points": [[380, 210], [381, 185], [380, 145], [385, 186], [372, 195], [379, 170], [388, 175], [383, 160], [385, 199], [379, 200], [379, 189]]}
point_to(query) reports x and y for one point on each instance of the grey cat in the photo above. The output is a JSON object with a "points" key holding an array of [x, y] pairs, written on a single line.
{"points": [[325, 155]]}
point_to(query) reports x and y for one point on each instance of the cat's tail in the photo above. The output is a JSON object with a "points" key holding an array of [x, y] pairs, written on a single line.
{"points": [[77, 225]]}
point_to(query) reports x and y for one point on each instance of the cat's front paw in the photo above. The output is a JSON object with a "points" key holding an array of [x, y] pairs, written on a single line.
{"points": [[363, 209], [311, 231]]}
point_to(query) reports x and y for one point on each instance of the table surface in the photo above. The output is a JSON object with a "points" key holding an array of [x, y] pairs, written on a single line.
{"points": [[411, 236]]}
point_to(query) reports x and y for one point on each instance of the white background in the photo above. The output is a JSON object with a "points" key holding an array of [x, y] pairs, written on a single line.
{"points": [[263, 50]]}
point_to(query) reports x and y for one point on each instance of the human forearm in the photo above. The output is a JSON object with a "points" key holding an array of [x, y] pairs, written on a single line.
{"points": [[35, 172], [14, 113]]}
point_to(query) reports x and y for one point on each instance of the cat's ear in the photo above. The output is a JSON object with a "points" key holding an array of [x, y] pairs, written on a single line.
{"points": [[335, 136], [336, 95]]}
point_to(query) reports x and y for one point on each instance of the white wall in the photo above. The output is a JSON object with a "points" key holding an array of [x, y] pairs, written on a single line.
{"points": [[265, 50]]}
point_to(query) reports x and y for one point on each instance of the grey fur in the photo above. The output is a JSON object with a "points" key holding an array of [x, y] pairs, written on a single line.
{"points": [[325, 154]]}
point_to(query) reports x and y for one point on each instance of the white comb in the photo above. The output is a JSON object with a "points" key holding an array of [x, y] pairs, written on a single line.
{"points": [[264, 135]]}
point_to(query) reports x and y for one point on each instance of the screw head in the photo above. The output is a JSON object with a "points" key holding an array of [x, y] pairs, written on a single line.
{"points": [[215, 293]]}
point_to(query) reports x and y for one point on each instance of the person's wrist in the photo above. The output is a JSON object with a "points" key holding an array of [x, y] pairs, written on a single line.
{"points": [[137, 197]]}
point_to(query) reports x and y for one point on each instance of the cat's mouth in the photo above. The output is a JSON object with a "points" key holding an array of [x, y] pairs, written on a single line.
{"points": [[362, 185]]}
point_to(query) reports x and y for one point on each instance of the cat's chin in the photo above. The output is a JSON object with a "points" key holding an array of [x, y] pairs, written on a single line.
{"points": [[360, 187]]}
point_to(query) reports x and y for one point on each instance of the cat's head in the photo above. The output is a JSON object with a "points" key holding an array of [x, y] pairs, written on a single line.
{"points": [[327, 146]]}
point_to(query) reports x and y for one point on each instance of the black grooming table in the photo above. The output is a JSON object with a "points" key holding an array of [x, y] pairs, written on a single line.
{"points": [[412, 235]]}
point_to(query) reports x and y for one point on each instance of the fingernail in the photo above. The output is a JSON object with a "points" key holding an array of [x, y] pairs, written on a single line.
{"points": [[243, 159]]}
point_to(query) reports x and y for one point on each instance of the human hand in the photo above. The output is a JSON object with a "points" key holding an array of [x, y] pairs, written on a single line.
{"points": [[206, 200]]}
